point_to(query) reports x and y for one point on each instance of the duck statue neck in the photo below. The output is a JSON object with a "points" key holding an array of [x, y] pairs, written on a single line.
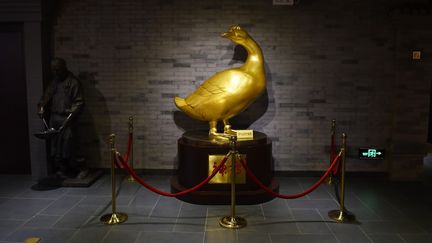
{"points": [[255, 60]]}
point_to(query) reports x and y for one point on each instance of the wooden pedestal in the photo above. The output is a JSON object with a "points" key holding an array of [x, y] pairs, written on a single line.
{"points": [[194, 149]]}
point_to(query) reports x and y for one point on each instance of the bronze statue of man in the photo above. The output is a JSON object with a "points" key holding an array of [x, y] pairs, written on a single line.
{"points": [[63, 100]]}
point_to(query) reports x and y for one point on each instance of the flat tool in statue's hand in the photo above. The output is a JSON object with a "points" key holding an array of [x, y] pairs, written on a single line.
{"points": [[46, 134]]}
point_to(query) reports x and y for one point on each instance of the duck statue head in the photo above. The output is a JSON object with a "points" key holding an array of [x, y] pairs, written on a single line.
{"points": [[230, 91], [236, 34]]}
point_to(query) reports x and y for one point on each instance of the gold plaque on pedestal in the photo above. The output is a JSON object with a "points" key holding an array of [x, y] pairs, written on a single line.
{"points": [[224, 174], [243, 135]]}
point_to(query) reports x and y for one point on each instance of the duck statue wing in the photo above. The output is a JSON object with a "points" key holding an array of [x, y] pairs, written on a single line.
{"points": [[219, 87]]}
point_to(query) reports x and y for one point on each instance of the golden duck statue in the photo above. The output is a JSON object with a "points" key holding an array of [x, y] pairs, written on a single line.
{"points": [[229, 92]]}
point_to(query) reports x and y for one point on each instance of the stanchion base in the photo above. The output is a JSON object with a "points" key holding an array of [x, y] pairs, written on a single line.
{"points": [[341, 216], [130, 179], [114, 218], [232, 222]]}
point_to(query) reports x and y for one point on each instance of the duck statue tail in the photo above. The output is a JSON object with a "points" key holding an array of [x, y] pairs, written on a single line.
{"points": [[180, 103]]}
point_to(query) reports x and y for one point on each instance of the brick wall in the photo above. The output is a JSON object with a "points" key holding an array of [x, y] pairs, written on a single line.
{"points": [[324, 60]]}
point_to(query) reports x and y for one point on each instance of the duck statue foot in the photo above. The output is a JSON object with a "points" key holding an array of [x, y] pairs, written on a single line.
{"points": [[221, 138], [228, 131]]}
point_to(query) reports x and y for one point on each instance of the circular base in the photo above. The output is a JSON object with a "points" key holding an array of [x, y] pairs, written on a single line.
{"points": [[232, 222], [114, 218], [130, 179], [194, 164], [341, 216]]}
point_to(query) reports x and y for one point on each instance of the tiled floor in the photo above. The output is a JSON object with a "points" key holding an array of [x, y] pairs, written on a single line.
{"points": [[386, 212]]}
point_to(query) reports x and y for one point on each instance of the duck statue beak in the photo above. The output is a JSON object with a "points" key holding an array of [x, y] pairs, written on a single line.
{"points": [[226, 35]]}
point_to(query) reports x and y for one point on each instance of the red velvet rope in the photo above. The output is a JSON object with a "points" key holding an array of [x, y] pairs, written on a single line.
{"points": [[117, 164], [313, 187], [177, 194], [126, 155], [129, 148], [333, 154]]}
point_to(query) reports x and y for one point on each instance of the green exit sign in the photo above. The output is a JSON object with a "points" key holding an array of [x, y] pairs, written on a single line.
{"points": [[371, 153]]}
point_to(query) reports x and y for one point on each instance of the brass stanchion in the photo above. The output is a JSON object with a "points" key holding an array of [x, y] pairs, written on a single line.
{"points": [[114, 217], [130, 178], [233, 221], [341, 215], [331, 179]]}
